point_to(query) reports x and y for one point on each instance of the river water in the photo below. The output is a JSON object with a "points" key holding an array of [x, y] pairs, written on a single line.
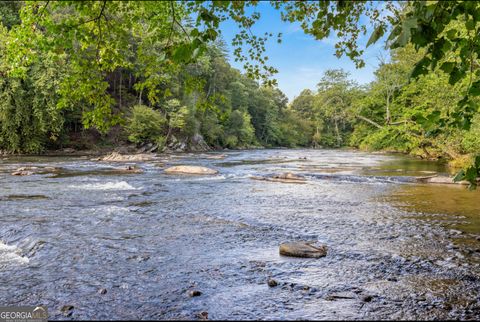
{"points": [[396, 249]]}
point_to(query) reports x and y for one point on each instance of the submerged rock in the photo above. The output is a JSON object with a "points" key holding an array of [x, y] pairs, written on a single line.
{"points": [[67, 310], [439, 179], [130, 169], [367, 298], [193, 293], [287, 177], [190, 169], [203, 315], [117, 157], [302, 249]]}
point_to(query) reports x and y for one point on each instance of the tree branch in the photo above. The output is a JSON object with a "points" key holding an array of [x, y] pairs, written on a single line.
{"points": [[369, 121]]}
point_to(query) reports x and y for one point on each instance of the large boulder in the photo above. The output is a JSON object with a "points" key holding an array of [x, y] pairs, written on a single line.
{"points": [[302, 249], [190, 169]]}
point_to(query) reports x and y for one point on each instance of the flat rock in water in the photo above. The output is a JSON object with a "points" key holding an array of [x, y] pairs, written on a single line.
{"points": [[283, 177], [439, 179], [27, 171], [302, 249], [190, 169], [289, 176], [22, 173], [117, 157]]}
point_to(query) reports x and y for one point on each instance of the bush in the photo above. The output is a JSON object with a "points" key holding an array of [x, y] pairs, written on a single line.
{"points": [[390, 138], [146, 125], [231, 141], [471, 139]]}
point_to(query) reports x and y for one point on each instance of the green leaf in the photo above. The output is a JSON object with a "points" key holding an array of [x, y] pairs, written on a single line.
{"points": [[455, 76], [470, 24], [377, 33], [447, 67], [459, 176], [471, 174], [452, 34], [420, 67], [475, 89]]}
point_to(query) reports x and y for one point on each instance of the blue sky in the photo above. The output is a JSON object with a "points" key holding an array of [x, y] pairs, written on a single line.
{"points": [[300, 59]]}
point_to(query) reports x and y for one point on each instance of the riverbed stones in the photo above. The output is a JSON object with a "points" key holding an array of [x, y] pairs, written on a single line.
{"points": [[302, 249], [190, 169]]}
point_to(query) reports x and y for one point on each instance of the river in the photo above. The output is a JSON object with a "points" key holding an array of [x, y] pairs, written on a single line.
{"points": [[396, 249]]}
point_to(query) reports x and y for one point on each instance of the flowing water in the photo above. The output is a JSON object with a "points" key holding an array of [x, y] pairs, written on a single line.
{"points": [[397, 249]]}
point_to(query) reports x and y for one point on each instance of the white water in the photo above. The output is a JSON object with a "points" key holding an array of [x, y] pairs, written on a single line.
{"points": [[11, 255]]}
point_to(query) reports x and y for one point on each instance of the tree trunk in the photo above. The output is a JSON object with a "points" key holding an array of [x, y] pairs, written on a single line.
{"points": [[387, 117], [140, 97], [339, 139], [120, 89]]}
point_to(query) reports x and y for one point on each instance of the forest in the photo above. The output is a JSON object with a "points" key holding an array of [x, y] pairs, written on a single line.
{"points": [[109, 73]]}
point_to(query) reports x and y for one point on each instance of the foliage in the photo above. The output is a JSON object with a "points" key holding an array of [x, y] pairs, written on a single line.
{"points": [[29, 118], [145, 125]]}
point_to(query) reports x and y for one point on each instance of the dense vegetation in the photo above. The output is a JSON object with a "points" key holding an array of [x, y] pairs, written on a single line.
{"points": [[75, 72]]}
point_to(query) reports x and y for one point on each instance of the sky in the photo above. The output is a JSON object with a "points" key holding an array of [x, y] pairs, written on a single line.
{"points": [[300, 59]]}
